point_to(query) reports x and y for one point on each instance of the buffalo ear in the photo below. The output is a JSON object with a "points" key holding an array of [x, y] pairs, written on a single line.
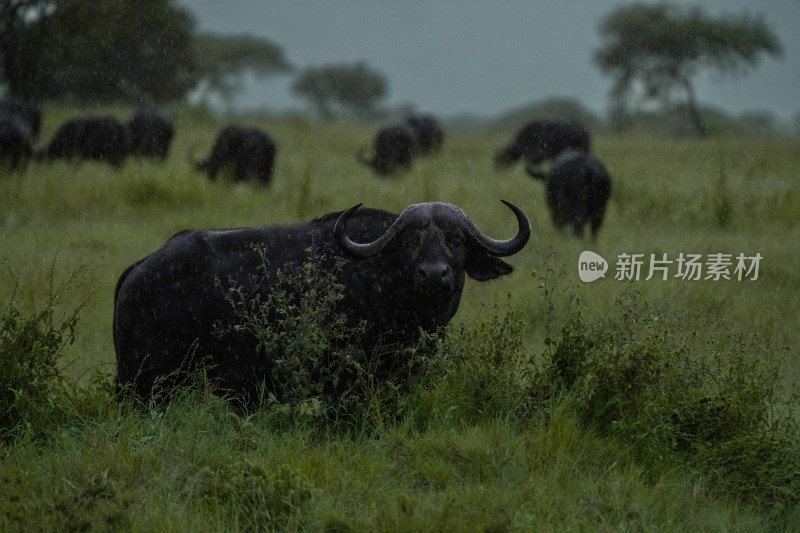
{"points": [[485, 267]]}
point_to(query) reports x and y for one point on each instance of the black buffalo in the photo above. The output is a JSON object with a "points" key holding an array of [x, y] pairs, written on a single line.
{"points": [[540, 141], [400, 273], [577, 189], [95, 138], [395, 147], [428, 132], [250, 152], [16, 142], [151, 134], [30, 112]]}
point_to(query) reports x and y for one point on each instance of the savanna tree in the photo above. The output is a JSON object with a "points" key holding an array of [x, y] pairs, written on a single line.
{"points": [[221, 61], [336, 90], [654, 51]]}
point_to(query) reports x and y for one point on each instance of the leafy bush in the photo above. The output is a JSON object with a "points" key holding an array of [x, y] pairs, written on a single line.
{"points": [[31, 343], [297, 325], [676, 388], [473, 373]]}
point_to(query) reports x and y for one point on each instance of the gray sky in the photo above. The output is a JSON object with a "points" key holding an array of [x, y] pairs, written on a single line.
{"points": [[471, 56]]}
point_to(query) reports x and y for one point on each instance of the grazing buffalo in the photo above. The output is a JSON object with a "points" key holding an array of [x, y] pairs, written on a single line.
{"points": [[250, 152], [428, 133], [399, 274], [577, 189], [30, 112], [16, 142], [395, 147], [539, 141], [151, 134], [95, 138]]}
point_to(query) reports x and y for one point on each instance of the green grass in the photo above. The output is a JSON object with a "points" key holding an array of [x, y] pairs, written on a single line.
{"points": [[459, 452]]}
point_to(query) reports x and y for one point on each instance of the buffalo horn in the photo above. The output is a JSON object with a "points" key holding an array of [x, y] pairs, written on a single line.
{"points": [[492, 246]]}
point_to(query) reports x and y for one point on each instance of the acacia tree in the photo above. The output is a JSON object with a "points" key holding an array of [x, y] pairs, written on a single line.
{"points": [[657, 50], [221, 60], [336, 90]]}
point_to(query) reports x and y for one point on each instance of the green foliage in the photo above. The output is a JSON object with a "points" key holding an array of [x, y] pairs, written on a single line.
{"points": [[662, 47], [97, 50], [296, 324], [256, 497], [484, 359], [680, 389], [347, 90], [221, 60], [31, 342]]}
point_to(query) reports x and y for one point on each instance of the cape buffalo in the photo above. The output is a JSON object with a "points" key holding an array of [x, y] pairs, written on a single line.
{"points": [[150, 133], [400, 274], [250, 152], [395, 146], [16, 142], [539, 141], [429, 134], [95, 138], [577, 189]]}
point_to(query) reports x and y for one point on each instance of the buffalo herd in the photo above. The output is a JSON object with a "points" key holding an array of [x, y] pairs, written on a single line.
{"points": [[96, 138], [400, 275]]}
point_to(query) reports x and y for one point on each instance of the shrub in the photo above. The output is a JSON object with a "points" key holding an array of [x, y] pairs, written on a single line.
{"points": [[295, 323], [473, 373], [31, 343], [676, 388]]}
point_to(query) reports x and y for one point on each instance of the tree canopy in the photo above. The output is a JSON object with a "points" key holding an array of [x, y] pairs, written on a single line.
{"points": [[221, 60], [659, 49], [99, 50], [137, 51], [344, 89]]}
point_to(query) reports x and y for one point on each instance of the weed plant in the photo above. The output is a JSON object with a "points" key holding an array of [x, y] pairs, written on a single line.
{"points": [[34, 390], [293, 317], [679, 389]]}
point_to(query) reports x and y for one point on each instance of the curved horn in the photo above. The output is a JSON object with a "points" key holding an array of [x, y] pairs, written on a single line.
{"points": [[368, 249], [353, 249], [509, 246]]}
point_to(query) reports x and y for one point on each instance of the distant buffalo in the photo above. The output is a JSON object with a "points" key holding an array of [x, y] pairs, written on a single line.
{"points": [[29, 112], [150, 134], [249, 151], [429, 134], [395, 147], [96, 138], [16, 142], [577, 189], [400, 275], [539, 141]]}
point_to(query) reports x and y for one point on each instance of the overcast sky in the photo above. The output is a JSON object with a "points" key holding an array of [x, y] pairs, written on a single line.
{"points": [[483, 57]]}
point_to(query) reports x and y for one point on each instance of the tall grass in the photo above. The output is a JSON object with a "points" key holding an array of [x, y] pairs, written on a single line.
{"points": [[536, 410]]}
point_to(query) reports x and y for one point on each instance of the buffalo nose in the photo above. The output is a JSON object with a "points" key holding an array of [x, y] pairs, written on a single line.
{"points": [[434, 274]]}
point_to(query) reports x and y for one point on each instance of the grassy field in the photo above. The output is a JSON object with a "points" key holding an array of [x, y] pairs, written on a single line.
{"points": [[201, 465]]}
